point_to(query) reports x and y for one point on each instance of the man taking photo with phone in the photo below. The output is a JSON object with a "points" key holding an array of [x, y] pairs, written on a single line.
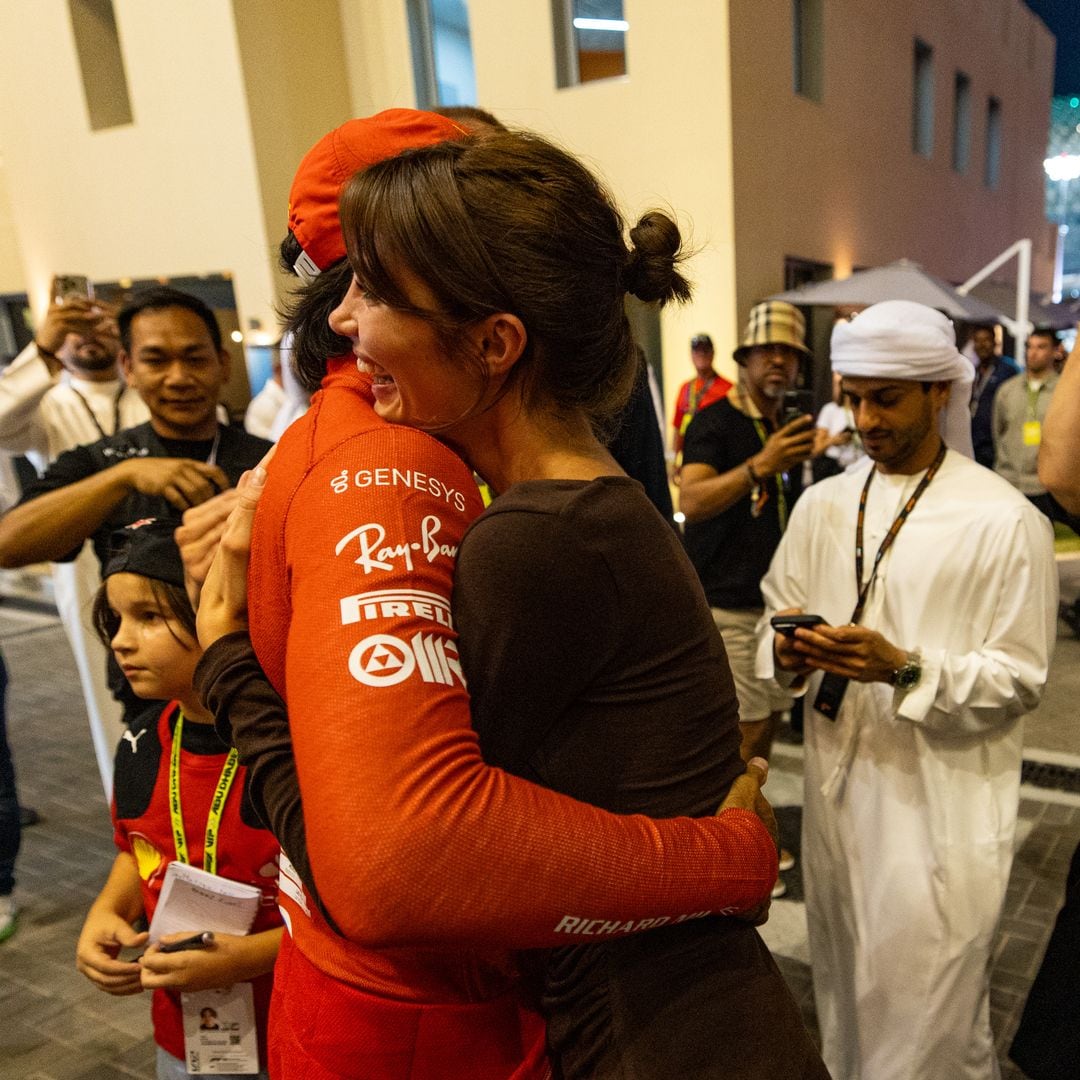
{"points": [[172, 354], [64, 390], [919, 673], [741, 476]]}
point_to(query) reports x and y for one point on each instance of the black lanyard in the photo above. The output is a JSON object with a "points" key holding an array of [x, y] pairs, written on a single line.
{"points": [[890, 536], [93, 416], [833, 687]]}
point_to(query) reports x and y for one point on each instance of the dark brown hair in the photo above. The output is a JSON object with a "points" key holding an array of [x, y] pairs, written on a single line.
{"points": [[511, 223], [172, 599], [305, 312], [475, 120]]}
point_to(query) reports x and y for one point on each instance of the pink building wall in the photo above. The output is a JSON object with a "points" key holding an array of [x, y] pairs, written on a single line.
{"points": [[838, 182]]}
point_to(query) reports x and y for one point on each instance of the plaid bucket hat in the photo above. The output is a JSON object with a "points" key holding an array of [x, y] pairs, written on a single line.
{"points": [[773, 322]]}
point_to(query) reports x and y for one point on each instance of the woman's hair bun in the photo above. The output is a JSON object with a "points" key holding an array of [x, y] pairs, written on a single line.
{"points": [[651, 273]]}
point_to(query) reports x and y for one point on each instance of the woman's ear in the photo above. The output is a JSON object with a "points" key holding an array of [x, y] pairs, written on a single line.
{"points": [[501, 339]]}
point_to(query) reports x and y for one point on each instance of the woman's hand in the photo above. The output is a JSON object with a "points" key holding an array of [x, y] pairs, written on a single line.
{"points": [[223, 602], [746, 794]]}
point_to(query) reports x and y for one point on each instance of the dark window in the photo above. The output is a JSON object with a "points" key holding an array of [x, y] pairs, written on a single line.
{"points": [[992, 163], [590, 40], [803, 271], [807, 42], [961, 138], [922, 101], [101, 63]]}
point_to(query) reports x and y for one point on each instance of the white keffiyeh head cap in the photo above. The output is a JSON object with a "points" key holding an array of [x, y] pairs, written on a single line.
{"points": [[898, 339]]}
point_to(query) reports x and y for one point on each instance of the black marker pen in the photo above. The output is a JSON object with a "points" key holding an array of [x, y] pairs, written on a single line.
{"points": [[196, 941]]}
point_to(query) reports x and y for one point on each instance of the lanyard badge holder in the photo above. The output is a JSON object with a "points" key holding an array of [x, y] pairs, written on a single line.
{"points": [[831, 692], [219, 1025]]}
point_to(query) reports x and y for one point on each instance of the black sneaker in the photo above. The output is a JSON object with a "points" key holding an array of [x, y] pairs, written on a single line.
{"points": [[1070, 616]]}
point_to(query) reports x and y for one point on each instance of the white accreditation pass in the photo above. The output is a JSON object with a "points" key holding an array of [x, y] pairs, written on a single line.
{"points": [[219, 1031]]}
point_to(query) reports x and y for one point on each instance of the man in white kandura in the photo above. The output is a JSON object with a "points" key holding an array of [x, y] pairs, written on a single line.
{"points": [[64, 390], [937, 590]]}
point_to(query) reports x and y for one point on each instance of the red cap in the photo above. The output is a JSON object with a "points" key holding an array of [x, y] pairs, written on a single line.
{"points": [[334, 159]]}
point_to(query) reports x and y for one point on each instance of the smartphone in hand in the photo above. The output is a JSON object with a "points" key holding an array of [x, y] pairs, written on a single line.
{"points": [[71, 287], [788, 624], [796, 403]]}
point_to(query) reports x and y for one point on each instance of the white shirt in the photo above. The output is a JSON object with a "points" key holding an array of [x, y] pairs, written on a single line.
{"points": [[42, 415], [835, 418], [911, 798]]}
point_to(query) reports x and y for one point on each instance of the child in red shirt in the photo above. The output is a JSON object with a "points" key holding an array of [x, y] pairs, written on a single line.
{"points": [[179, 793]]}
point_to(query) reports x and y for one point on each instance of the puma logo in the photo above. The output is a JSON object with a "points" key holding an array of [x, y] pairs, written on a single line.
{"points": [[134, 740]]}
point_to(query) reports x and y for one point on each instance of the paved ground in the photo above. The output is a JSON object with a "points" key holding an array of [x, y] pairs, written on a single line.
{"points": [[56, 1026]]}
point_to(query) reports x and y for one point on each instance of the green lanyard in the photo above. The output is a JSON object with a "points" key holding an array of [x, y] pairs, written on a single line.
{"points": [[1033, 401], [781, 499], [217, 804]]}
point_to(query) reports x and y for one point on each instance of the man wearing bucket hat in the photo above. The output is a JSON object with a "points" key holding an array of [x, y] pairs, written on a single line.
{"points": [[740, 478], [919, 672]]}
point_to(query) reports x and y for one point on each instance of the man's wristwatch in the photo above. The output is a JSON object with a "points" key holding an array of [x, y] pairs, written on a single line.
{"points": [[908, 674]]}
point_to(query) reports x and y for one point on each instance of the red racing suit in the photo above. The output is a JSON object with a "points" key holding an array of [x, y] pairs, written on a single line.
{"points": [[432, 864]]}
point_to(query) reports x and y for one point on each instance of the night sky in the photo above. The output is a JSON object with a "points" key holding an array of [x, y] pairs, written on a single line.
{"points": [[1063, 19]]}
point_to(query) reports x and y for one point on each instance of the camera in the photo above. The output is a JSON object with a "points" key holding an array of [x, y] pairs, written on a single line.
{"points": [[796, 403]]}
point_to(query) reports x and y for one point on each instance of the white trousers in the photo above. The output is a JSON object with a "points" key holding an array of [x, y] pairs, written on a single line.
{"points": [[76, 584]]}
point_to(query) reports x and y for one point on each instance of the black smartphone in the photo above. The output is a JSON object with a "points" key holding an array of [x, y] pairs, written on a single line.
{"points": [[796, 403], [788, 624]]}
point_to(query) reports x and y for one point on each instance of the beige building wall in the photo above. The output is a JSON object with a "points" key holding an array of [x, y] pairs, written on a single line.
{"points": [[838, 181], [12, 274], [660, 136], [175, 192], [377, 57], [227, 95], [641, 133], [296, 88]]}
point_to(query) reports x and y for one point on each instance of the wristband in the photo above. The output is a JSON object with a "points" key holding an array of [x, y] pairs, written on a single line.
{"points": [[755, 480]]}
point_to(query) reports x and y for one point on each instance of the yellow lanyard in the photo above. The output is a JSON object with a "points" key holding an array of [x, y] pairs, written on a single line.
{"points": [[217, 804], [781, 500]]}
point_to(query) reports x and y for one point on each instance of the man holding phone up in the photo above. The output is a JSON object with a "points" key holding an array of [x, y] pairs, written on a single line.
{"points": [[64, 390], [920, 669], [741, 476], [172, 354]]}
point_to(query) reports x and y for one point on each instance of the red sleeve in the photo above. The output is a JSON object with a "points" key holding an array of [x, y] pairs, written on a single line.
{"points": [[719, 390], [680, 407], [412, 838]]}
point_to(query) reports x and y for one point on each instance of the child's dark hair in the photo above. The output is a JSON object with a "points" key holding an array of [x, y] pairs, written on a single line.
{"points": [[172, 599]]}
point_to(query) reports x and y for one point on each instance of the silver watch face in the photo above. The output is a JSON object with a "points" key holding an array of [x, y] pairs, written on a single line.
{"points": [[907, 676]]}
